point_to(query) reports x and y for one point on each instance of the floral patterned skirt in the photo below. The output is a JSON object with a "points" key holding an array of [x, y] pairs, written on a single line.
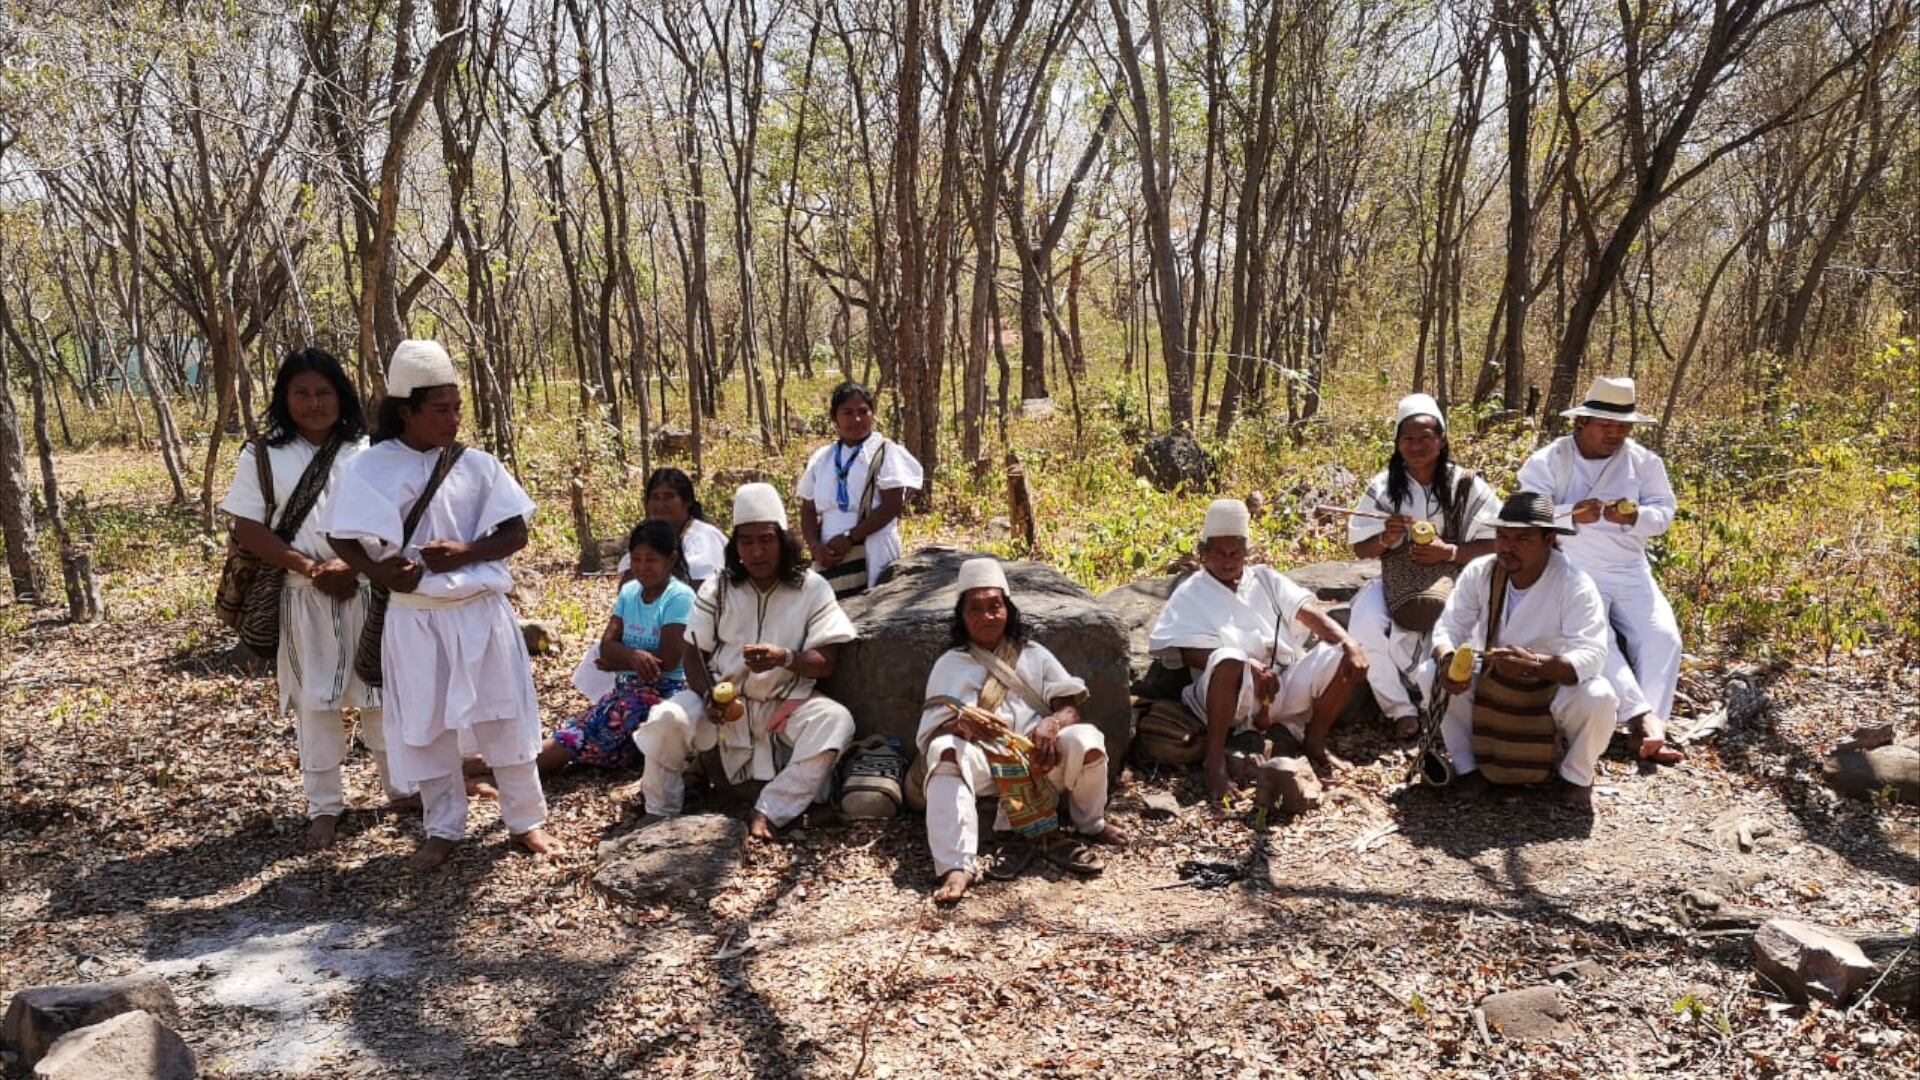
{"points": [[603, 735]]}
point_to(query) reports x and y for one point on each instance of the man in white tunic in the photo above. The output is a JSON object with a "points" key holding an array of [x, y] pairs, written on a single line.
{"points": [[995, 667], [453, 661], [1616, 490], [1420, 483], [772, 627], [1249, 634], [1552, 627]]}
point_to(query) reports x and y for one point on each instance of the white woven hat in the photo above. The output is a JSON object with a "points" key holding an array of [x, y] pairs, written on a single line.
{"points": [[1611, 399], [1225, 517], [417, 364], [983, 573], [1418, 405], [756, 504]]}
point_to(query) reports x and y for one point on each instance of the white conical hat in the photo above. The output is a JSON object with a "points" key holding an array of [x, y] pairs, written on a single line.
{"points": [[418, 363], [1225, 517], [756, 504], [982, 573], [1418, 405], [1611, 399]]}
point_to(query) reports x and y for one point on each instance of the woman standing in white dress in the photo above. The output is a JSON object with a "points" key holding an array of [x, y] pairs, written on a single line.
{"points": [[851, 495], [313, 420]]}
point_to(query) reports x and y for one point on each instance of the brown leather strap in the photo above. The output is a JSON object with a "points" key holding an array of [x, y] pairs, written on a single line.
{"points": [[1499, 601]]}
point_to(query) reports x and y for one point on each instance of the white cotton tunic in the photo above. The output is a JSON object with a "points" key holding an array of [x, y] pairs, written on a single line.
{"points": [[898, 469], [1561, 615], [1260, 618], [1422, 504], [318, 633], [727, 618], [1632, 472], [452, 654], [958, 675]]}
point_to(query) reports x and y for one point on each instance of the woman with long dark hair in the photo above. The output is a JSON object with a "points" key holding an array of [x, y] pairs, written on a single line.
{"points": [[1038, 753], [314, 429], [1434, 510]]}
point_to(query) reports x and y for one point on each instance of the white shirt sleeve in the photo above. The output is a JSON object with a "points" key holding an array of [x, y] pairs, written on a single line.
{"points": [[1482, 496], [1537, 476], [1465, 610], [244, 498], [900, 469], [1657, 502], [1372, 500], [1583, 625], [810, 476]]}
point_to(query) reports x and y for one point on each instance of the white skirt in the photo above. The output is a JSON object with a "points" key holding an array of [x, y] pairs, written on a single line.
{"points": [[448, 667], [318, 636]]}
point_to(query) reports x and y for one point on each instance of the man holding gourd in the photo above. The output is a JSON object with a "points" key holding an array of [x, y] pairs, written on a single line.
{"points": [[1616, 491]]}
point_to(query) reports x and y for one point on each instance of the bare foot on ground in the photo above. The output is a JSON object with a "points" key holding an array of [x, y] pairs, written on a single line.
{"points": [[1108, 834], [952, 888], [321, 832], [536, 841], [431, 854], [760, 828], [1220, 786], [1651, 731]]}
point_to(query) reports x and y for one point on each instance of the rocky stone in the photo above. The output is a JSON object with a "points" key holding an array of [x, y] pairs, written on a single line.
{"points": [[673, 442], [1036, 409], [1160, 803], [1175, 461], [1288, 783], [904, 623], [1808, 962], [1500, 418], [725, 481], [999, 527], [1338, 581], [1746, 696], [542, 637], [38, 1016], [131, 1046], [797, 424], [1863, 774], [1869, 737], [671, 859], [1584, 972], [1534, 1014]]}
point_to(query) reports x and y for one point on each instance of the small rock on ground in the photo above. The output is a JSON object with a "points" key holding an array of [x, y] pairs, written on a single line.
{"points": [[1862, 774], [671, 858], [131, 1046], [1807, 961], [1533, 1014], [39, 1016]]}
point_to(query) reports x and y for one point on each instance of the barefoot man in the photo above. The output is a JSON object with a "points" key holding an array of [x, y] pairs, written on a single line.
{"points": [[1539, 622], [1260, 651], [771, 626], [1617, 493]]}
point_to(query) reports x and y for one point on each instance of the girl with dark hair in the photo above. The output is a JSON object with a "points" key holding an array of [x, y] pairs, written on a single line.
{"points": [[434, 522], [1038, 753], [851, 495], [314, 430], [642, 644], [1421, 488]]}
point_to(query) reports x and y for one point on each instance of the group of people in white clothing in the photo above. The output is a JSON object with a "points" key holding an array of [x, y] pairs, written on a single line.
{"points": [[396, 610]]}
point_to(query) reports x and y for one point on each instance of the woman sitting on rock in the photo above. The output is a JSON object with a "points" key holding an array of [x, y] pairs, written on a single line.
{"points": [[1002, 715], [641, 648]]}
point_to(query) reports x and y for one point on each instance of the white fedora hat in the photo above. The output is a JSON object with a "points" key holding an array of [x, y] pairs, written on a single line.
{"points": [[1611, 399]]}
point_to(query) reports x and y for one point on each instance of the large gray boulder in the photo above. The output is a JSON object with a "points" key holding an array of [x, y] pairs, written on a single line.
{"points": [[38, 1016], [1175, 462], [130, 1046], [904, 622]]}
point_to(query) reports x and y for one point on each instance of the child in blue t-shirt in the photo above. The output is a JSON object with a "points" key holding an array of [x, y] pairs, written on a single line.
{"points": [[642, 643]]}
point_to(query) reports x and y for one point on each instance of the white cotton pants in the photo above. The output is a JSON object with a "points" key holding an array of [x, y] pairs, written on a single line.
{"points": [[1300, 686], [1638, 612], [678, 728], [1583, 713], [443, 797], [1391, 651], [953, 817], [322, 735]]}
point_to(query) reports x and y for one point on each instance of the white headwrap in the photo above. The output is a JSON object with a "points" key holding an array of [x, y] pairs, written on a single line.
{"points": [[1418, 405], [417, 364], [1226, 517], [983, 573], [756, 504]]}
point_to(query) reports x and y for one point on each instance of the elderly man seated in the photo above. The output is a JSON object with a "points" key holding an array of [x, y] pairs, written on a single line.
{"points": [[1002, 715], [1248, 635], [1538, 625]]}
